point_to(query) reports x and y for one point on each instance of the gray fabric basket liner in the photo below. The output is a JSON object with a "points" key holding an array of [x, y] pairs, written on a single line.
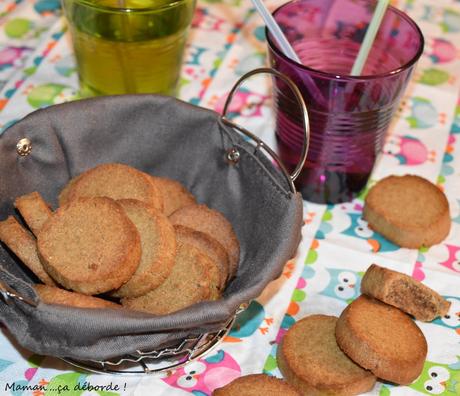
{"points": [[164, 137]]}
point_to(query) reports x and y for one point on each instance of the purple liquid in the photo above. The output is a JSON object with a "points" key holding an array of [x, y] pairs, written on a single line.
{"points": [[350, 115], [344, 145]]}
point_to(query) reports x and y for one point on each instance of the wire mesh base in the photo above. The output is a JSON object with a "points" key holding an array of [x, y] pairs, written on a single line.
{"points": [[157, 362]]}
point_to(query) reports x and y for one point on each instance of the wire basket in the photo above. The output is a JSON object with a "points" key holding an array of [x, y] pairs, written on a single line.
{"points": [[156, 344]]}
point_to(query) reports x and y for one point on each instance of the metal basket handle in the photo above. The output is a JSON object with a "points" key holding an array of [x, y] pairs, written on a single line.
{"points": [[7, 293], [260, 143]]}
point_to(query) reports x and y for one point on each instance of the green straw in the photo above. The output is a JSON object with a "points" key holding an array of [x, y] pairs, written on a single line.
{"points": [[369, 37]]}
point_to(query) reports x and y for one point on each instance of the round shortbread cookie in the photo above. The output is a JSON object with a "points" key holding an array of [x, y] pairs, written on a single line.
{"points": [[188, 284], [208, 246], [23, 244], [64, 195], [213, 223], [116, 181], [158, 242], [408, 210], [55, 295], [310, 360], [403, 292], [382, 339], [90, 245], [34, 210], [256, 385], [175, 195]]}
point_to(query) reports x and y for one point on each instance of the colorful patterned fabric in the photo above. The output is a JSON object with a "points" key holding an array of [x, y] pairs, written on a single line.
{"points": [[37, 69]]}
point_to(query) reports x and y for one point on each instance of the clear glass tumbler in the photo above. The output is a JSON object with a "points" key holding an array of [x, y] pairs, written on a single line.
{"points": [[129, 46]]}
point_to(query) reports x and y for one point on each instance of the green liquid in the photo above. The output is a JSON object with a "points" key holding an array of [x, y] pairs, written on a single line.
{"points": [[138, 50]]}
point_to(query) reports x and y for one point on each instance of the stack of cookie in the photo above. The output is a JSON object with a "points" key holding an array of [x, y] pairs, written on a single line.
{"points": [[373, 338], [129, 238]]}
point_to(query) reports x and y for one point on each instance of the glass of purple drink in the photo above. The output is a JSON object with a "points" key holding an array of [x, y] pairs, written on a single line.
{"points": [[349, 115]]}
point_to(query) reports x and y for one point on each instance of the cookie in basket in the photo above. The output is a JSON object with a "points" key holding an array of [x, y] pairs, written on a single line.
{"points": [[90, 245], [56, 295], [158, 245], [208, 246], [403, 292], [310, 360], [213, 223], [256, 385], [23, 244], [175, 195], [382, 339], [188, 284], [34, 210], [408, 210], [64, 195], [116, 181]]}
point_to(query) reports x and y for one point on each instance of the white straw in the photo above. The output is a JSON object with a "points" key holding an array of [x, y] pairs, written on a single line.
{"points": [[369, 37], [275, 30], [286, 48]]}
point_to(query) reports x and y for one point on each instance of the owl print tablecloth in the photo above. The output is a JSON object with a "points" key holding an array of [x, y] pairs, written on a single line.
{"points": [[37, 69]]}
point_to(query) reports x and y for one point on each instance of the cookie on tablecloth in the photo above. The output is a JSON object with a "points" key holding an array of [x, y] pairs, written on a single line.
{"points": [[310, 360], [382, 339], [256, 385], [403, 292], [408, 210]]}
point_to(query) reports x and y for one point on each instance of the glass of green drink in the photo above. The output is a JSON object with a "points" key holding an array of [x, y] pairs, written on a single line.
{"points": [[128, 46]]}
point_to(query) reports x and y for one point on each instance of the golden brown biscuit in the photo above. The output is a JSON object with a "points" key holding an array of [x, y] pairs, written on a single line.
{"points": [[382, 339], [34, 210], [90, 245], [158, 242], [55, 295], [175, 195], [310, 360], [188, 284], [64, 195], [403, 292], [213, 223], [256, 385], [408, 210], [23, 244], [116, 181], [208, 246], [214, 278]]}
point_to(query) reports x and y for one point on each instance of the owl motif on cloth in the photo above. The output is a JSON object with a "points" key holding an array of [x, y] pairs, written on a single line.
{"points": [[439, 379], [452, 318], [408, 150], [202, 376], [341, 284], [360, 229], [453, 261]]}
